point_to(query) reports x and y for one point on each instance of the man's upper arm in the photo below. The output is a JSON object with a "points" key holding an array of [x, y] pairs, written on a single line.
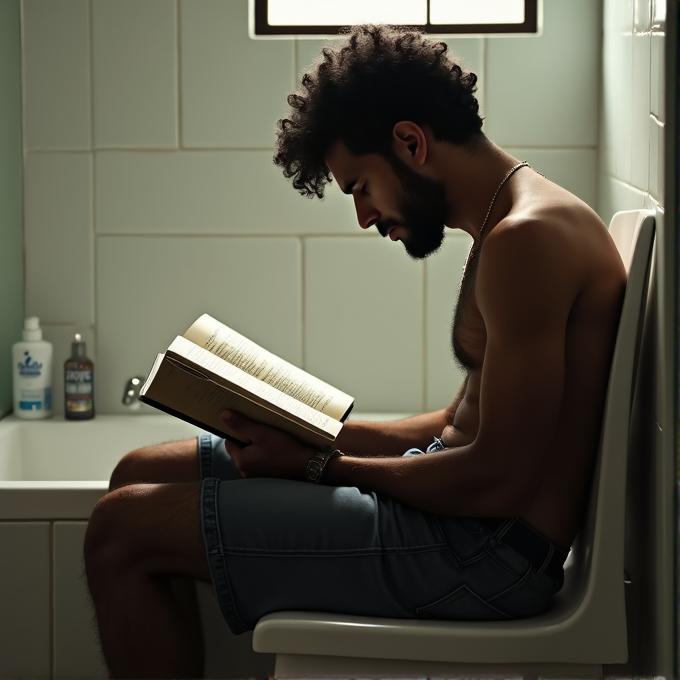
{"points": [[525, 290]]}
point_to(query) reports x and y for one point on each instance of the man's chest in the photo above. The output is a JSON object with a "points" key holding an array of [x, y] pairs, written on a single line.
{"points": [[468, 332]]}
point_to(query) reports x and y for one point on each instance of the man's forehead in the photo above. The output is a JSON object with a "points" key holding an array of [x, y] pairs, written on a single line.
{"points": [[338, 156], [342, 164]]}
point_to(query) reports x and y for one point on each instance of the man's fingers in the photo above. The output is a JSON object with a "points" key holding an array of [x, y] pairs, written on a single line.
{"points": [[239, 422]]}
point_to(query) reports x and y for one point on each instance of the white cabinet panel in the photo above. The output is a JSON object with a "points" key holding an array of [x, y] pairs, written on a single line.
{"points": [[228, 655], [24, 600]]}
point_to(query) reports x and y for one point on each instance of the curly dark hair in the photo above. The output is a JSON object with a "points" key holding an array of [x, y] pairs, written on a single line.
{"points": [[377, 76]]}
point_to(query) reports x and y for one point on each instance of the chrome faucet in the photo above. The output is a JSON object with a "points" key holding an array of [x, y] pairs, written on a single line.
{"points": [[131, 394]]}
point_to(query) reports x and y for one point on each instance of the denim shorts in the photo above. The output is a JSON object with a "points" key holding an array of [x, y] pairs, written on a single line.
{"points": [[275, 544]]}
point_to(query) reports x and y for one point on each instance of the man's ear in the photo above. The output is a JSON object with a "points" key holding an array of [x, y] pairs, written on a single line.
{"points": [[409, 142]]}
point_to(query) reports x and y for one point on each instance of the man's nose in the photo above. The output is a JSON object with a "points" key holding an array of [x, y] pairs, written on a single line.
{"points": [[367, 216]]}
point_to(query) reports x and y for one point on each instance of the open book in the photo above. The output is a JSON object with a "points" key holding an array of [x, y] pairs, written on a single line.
{"points": [[212, 368]]}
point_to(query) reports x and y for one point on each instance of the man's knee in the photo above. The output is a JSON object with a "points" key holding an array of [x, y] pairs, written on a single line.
{"points": [[130, 468], [107, 536], [146, 527], [159, 463], [102, 548]]}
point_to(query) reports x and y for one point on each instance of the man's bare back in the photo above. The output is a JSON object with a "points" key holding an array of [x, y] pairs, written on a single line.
{"points": [[593, 282]]}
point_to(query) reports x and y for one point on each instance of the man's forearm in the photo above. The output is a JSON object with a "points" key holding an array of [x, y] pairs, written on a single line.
{"points": [[390, 438], [451, 482]]}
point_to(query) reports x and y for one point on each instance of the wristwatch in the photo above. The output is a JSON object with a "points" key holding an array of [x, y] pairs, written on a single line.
{"points": [[318, 463]]}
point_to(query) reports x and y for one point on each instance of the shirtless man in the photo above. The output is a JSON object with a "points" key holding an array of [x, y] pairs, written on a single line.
{"points": [[475, 527]]}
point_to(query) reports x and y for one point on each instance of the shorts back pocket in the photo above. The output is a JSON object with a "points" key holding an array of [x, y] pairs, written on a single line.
{"points": [[462, 604]]}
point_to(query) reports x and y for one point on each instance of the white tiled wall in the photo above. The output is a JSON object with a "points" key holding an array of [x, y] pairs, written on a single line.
{"points": [[151, 196], [632, 112]]}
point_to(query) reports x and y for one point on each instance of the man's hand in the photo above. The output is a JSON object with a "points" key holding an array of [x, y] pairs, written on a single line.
{"points": [[273, 453]]}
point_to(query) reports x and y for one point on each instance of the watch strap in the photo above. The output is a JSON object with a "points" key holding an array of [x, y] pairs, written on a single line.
{"points": [[318, 462]]}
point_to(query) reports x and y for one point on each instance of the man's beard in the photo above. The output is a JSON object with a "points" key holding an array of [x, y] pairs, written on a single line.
{"points": [[422, 210]]}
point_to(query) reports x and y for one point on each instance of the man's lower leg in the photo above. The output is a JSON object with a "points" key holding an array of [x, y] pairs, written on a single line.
{"points": [[149, 625]]}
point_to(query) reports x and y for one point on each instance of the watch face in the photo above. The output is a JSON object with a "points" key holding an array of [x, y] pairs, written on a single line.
{"points": [[314, 469]]}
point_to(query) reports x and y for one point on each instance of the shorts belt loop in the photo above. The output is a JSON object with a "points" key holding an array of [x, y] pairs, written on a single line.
{"points": [[548, 557], [498, 534]]}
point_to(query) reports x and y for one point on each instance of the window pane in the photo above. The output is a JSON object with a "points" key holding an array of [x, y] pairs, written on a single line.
{"points": [[658, 12], [477, 12], [346, 12]]}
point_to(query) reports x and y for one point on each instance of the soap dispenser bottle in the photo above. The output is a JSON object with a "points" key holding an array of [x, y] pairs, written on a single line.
{"points": [[32, 373], [78, 383]]}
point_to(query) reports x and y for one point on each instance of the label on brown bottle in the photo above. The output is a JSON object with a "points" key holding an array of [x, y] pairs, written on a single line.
{"points": [[78, 389]]}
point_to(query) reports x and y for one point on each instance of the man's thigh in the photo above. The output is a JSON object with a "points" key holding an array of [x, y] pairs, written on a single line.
{"points": [[161, 463], [153, 528]]}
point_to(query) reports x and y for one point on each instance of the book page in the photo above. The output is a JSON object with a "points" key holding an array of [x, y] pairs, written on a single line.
{"points": [[209, 333], [187, 392], [213, 370]]}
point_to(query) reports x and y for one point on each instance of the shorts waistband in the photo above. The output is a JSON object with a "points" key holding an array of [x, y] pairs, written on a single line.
{"points": [[540, 552]]}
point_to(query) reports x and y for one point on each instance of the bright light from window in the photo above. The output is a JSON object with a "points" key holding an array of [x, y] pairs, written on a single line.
{"points": [[315, 18], [346, 12], [476, 12], [658, 12]]}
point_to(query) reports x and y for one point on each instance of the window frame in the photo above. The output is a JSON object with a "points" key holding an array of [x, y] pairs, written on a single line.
{"points": [[261, 29]]}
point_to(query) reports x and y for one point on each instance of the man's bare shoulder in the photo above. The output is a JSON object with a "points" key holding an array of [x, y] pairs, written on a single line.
{"points": [[551, 247], [548, 222]]}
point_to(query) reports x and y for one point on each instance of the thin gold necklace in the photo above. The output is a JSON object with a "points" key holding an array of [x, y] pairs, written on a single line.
{"points": [[471, 254]]}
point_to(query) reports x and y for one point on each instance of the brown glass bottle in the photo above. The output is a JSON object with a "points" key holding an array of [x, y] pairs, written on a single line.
{"points": [[78, 383]]}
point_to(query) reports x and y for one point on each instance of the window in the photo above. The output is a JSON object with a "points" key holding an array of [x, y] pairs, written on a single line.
{"points": [[321, 18]]}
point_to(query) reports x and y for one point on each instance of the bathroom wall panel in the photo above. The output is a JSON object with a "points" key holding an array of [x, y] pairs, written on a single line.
{"points": [[221, 192], [617, 89], [640, 110], [642, 15], [656, 166], [76, 647], [11, 198], [543, 91], [470, 52], [658, 75], [150, 290], [25, 600], [307, 51], [615, 195], [58, 237], [134, 63], [56, 65], [364, 314], [573, 169], [443, 377], [231, 86]]}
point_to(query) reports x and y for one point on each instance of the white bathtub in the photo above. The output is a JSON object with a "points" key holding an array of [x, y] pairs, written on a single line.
{"points": [[56, 468], [52, 473]]}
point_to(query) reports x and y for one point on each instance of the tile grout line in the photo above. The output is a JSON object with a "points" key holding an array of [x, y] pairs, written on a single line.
{"points": [[24, 155], [303, 301], [93, 182], [423, 349], [178, 43], [53, 627], [251, 149]]}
